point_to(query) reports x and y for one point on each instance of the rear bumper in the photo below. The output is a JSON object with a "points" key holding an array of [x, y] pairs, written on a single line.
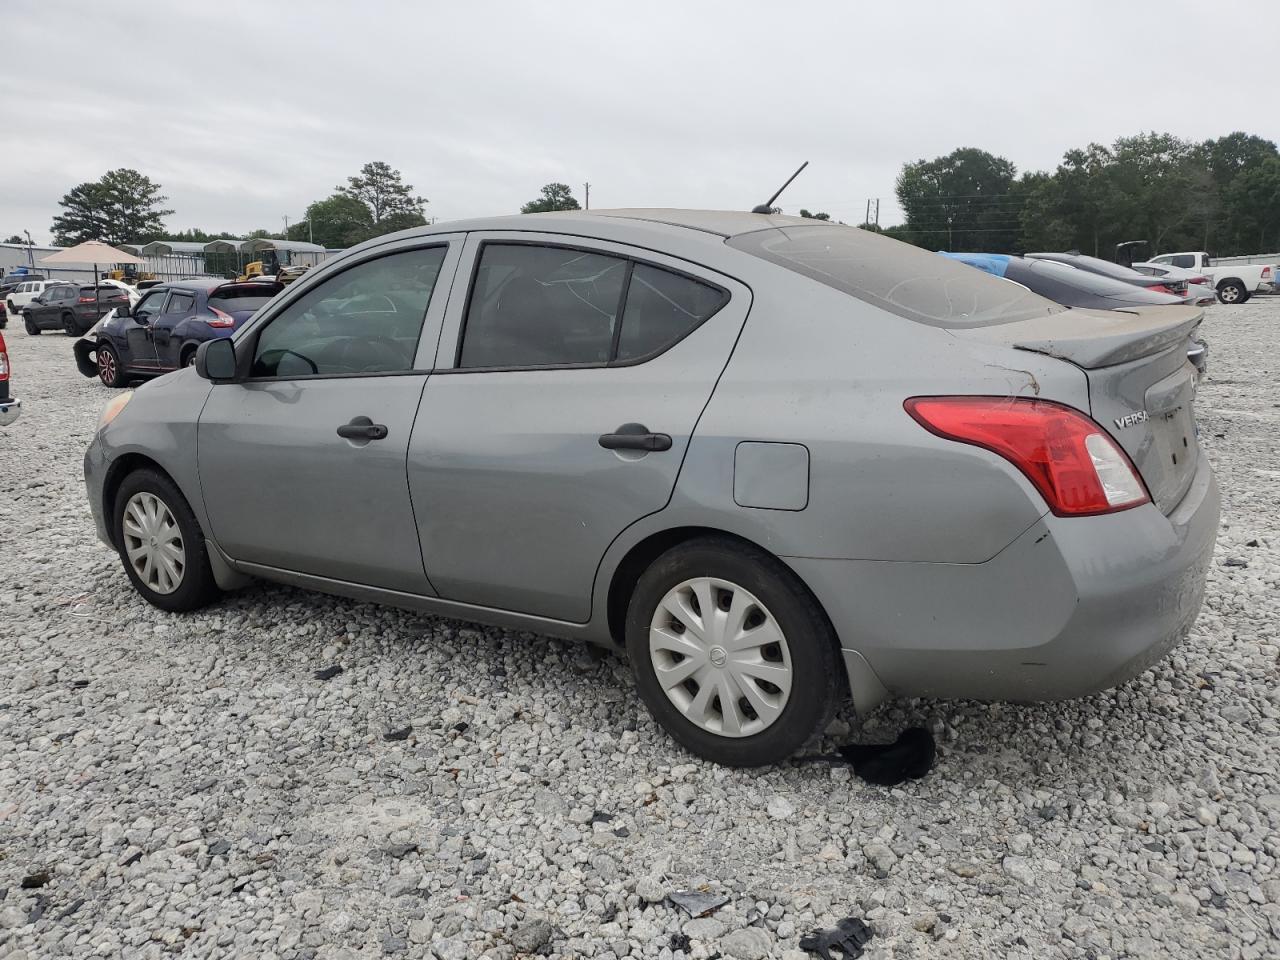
{"points": [[10, 410], [1265, 286], [1073, 606]]}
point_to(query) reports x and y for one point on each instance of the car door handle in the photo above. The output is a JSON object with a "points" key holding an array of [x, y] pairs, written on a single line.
{"points": [[635, 436], [362, 428]]}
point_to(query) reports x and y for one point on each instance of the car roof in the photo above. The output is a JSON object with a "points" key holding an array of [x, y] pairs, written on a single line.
{"points": [[717, 223]]}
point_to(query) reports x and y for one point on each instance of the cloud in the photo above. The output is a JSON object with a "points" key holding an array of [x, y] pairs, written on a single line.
{"points": [[247, 113]]}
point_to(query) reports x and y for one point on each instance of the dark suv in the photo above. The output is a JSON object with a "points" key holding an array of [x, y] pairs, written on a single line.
{"points": [[71, 308]]}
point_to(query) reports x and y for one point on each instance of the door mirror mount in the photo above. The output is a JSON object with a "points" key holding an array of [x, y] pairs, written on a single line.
{"points": [[216, 361]]}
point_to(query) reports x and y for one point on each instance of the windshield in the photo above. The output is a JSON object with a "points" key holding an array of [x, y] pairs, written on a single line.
{"points": [[895, 276]]}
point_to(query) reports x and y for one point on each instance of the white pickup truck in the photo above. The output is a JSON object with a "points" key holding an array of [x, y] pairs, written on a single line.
{"points": [[1235, 282]]}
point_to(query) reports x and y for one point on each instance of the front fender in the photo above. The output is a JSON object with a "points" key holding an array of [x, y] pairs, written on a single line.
{"points": [[86, 352]]}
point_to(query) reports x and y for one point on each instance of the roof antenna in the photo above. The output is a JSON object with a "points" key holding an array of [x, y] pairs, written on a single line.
{"points": [[768, 207]]}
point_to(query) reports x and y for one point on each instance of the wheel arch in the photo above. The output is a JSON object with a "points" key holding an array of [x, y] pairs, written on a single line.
{"points": [[1225, 280], [637, 559], [120, 468]]}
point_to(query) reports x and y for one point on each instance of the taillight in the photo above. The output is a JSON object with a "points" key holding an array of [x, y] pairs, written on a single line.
{"points": [[220, 320], [1198, 280], [1076, 466], [1266, 272], [4, 360], [1160, 288], [88, 300]]}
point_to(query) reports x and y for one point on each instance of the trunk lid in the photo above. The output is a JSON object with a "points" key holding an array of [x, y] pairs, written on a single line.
{"points": [[1141, 384]]}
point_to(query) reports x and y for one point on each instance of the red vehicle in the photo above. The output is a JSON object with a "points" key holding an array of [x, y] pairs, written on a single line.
{"points": [[10, 408]]}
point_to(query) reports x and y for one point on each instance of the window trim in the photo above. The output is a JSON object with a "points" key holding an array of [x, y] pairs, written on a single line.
{"points": [[254, 335], [630, 262]]}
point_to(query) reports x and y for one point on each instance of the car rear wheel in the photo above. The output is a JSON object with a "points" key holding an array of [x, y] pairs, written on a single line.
{"points": [[160, 543], [1232, 292], [188, 357], [33, 330], [69, 325], [732, 655], [109, 368]]}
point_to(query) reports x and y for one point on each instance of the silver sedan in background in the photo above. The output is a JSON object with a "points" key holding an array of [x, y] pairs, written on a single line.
{"points": [[781, 462]]}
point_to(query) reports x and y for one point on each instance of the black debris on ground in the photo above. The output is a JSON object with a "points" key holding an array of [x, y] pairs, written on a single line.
{"points": [[328, 673], [33, 880], [849, 936], [401, 734], [909, 757]]}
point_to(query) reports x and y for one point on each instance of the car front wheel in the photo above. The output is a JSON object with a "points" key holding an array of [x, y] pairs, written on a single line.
{"points": [[109, 369], [160, 543], [732, 655]]}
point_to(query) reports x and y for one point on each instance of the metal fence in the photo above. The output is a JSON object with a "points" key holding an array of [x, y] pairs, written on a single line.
{"points": [[172, 267]]}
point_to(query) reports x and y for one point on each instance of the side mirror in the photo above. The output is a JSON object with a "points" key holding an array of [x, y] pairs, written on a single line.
{"points": [[216, 360], [124, 310]]}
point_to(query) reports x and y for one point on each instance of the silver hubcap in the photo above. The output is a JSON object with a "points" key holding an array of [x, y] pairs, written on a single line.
{"points": [[153, 543], [720, 656], [1229, 295]]}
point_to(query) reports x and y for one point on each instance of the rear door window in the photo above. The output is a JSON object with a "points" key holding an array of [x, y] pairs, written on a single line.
{"points": [[181, 303], [904, 280], [1183, 260], [535, 305]]}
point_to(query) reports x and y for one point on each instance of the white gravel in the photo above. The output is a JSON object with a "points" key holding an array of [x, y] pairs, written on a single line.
{"points": [[190, 788]]}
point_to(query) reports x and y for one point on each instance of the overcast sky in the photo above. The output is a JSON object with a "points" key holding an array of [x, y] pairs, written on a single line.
{"points": [[247, 112]]}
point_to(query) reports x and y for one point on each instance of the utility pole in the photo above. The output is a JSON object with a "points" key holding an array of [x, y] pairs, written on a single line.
{"points": [[31, 257], [867, 216], [587, 191], [286, 227], [877, 211]]}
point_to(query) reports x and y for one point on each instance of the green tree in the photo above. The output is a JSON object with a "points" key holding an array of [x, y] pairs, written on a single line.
{"points": [[340, 221], [960, 201], [814, 216], [383, 191], [1255, 196], [17, 239], [123, 207], [555, 196]]}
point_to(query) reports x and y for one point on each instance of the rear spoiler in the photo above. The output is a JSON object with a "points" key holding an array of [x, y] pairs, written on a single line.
{"points": [[1096, 338]]}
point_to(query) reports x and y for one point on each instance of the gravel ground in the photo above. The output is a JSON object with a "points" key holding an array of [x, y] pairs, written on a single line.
{"points": [[185, 785]]}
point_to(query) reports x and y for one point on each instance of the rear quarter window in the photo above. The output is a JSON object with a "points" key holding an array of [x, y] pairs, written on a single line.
{"points": [[904, 280]]}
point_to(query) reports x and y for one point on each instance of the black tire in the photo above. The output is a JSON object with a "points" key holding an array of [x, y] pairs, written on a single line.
{"points": [[188, 358], [817, 678], [69, 325], [196, 587], [30, 326], [110, 370], [1232, 291]]}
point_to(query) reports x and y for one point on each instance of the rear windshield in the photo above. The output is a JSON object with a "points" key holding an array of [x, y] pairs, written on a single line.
{"points": [[895, 276], [1092, 265], [243, 296]]}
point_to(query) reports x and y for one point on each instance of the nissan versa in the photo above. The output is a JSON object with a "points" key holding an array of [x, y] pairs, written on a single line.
{"points": [[782, 462]]}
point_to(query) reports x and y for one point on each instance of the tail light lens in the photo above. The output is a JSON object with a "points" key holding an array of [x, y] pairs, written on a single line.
{"points": [[4, 361], [88, 300], [1076, 466], [221, 320], [1160, 288], [1198, 280], [1266, 272]]}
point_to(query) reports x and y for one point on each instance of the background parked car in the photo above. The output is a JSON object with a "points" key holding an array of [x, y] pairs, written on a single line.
{"points": [[1113, 270], [1073, 287], [73, 309], [16, 277], [169, 322], [10, 407], [23, 293], [1234, 282], [1198, 284]]}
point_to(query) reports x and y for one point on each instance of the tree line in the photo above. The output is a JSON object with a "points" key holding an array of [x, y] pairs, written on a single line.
{"points": [[125, 206], [1219, 195]]}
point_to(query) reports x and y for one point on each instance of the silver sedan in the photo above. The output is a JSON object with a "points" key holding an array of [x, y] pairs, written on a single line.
{"points": [[781, 462]]}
